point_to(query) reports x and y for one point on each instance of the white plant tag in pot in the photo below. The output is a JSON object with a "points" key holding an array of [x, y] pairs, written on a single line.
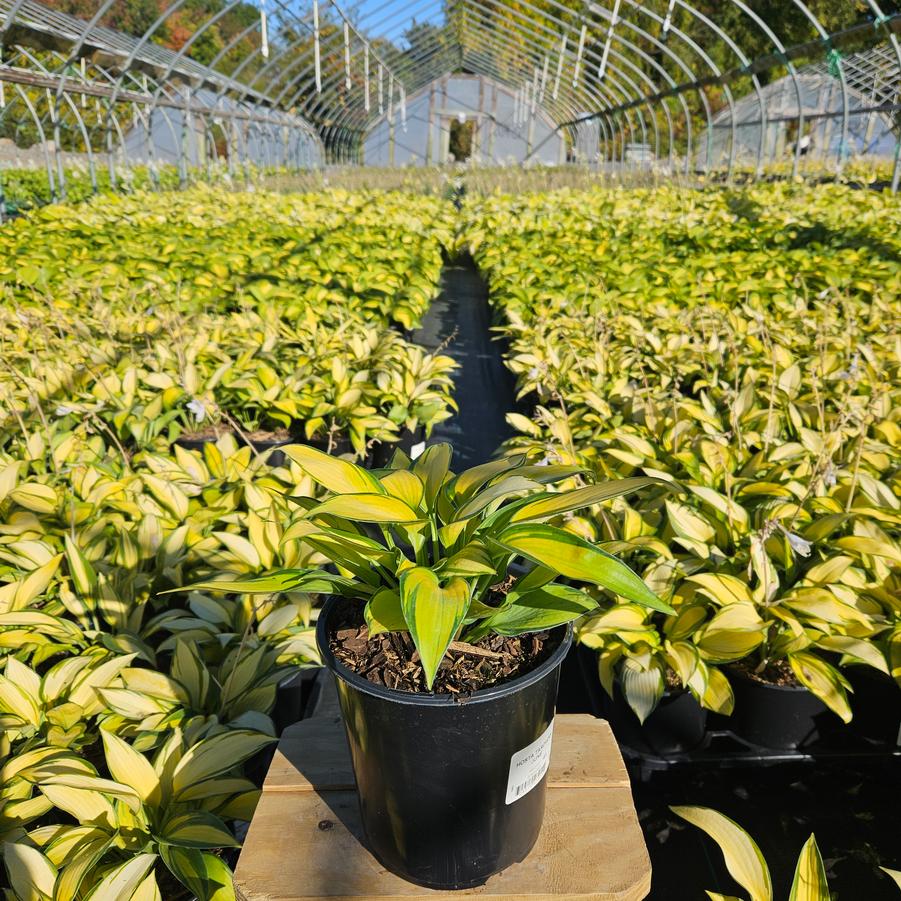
{"points": [[528, 766]]}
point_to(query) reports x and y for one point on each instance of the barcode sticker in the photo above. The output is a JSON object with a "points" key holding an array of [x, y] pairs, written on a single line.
{"points": [[528, 766]]}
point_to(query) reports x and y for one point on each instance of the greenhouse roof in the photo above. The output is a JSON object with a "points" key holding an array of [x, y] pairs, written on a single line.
{"points": [[126, 51], [873, 73]]}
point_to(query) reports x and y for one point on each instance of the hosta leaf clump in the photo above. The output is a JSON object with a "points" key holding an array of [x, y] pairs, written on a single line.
{"points": [[298, 332], [742, 346], [420, 548]]}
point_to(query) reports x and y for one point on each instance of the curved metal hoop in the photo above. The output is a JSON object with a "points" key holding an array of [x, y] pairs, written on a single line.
{"points": [[666, 75]]}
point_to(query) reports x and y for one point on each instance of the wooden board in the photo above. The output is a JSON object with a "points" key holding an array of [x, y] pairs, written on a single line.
{"points": [[305, 842]]}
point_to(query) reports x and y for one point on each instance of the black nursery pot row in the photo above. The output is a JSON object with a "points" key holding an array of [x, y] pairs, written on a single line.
{"points": [[770, 717]]}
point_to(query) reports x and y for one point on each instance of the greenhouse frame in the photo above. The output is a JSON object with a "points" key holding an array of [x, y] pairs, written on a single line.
{"points": [[317, 81], [872, 84]]}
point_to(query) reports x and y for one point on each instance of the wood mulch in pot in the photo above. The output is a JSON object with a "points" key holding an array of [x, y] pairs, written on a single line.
{"points": [[776, 672], [390, 659]]}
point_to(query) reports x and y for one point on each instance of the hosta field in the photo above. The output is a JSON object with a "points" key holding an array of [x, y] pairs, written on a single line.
{"points": [[210, 308], [128, 719], [744, 349], [739, 346]]}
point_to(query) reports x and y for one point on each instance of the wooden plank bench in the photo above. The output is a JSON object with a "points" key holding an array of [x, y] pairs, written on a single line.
{"points": [[305, 841]]}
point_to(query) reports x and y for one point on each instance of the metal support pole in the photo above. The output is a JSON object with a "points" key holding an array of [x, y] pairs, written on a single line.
{"points": [[186, 124], [582, 36], [492, 126], [316, 60], [431, 126], [560, 59], [390, 140]]}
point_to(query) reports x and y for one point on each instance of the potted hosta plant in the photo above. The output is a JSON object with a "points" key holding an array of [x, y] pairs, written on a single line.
{"points": [[446, 663], [658, 689], [780, 650]]}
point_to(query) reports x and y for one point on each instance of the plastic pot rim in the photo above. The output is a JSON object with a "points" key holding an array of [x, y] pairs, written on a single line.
{"points": [[483, 695]]}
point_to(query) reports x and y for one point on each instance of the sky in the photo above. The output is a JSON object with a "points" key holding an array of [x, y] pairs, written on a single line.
{"points": [[390, 18]]}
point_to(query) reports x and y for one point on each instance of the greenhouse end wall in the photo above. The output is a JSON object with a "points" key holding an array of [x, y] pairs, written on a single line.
{"points": [[500, 136]]}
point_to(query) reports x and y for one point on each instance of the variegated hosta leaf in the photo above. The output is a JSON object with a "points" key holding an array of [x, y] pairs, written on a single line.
{"points": [[313, 581], [378, 508], [541, 608], [809, 883], [212, 756], [433, 613], [31, 874], [826, 682], [19, 594], [80, 865], [405, 486], [383, 613], [124, 880], [549, 505], [642, 688], [433, 468], [336, 475], [744, 861], [472, 560], [205, 875], [196, 829], [576, 558], [716, 693], [131, 768]]}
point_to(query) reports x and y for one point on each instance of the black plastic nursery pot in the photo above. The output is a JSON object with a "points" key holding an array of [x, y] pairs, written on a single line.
{"points": [[451, 791], [677, 724], [783, 717], [291, 697], [197, 444], [276, 457], [876, 704]]}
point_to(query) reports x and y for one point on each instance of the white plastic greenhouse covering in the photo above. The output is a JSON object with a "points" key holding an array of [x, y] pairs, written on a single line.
{"points": [[303, 84], [500, 134], [872, 93]]}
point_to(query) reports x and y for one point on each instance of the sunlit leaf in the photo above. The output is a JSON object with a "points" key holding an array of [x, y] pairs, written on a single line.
{"points": [[809, 883], [576, 558], [433, 614], [744, 861]]}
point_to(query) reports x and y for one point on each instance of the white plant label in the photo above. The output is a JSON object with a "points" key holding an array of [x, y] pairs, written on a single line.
{"points": [[528, 766], [416, 450]]}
